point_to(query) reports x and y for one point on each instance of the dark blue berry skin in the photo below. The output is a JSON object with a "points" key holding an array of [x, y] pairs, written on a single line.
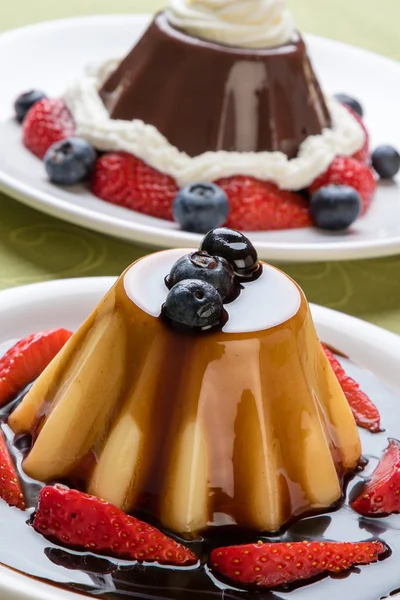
{"points": [[234, 247], [200, 265], [200, 207], [25, 101], [194, 303], [386, 161], [70, 161], [335, 207], [351, 102]]}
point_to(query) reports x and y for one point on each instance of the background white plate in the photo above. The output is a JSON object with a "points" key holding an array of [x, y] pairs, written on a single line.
{"points": [[51, 55], [67, 303]]}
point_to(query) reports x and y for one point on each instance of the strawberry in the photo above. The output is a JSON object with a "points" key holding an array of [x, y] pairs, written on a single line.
{"points": [[10, 486], [381, 494], [363, 154], [47, 122], [271, 565], [25, 361], [122, 179], [364, 411], [347, 171], [85, 522], [259, 206]]}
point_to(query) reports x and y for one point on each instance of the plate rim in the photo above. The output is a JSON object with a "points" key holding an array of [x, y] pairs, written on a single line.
{"points": [[154, 236], [344, 332]]}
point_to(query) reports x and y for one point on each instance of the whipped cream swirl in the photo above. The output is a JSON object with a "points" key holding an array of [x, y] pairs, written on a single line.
{"points": [[240, 23]]}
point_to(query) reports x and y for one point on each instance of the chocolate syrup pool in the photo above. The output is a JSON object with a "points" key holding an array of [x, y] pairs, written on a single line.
{"points": [[24, 550]]}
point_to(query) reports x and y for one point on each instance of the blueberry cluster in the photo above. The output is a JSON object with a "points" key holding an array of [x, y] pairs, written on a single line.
{"points": [[201, 282]]}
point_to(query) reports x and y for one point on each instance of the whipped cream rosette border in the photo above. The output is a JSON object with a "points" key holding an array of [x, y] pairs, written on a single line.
{"points": [[145, 142]]}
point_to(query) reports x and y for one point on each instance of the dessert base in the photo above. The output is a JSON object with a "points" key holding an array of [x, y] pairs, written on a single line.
{"points": [[119, 580]]}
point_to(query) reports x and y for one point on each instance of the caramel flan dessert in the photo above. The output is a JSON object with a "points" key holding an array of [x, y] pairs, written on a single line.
{"points": [[216, 94], [197, 392]]}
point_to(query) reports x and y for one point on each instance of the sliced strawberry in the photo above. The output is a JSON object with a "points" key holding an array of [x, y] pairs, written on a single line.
{"points": [[381, 494], [122, 179], [271, 565], [25, 361], [10, 486], [47, 122], [85, 522], [364, 411], [260, 206], [347, 171]]}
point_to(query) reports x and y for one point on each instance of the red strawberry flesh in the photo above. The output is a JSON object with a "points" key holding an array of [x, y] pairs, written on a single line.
{"points": [[351, 172], [122, 179], [10, 486], [364, 410], [85, 522], [47, 122], [26, 360], [261, 206], [270, 565], [381, 494]]}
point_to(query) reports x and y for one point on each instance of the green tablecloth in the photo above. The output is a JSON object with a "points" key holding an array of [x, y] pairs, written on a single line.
{"points": [[35, 247]]}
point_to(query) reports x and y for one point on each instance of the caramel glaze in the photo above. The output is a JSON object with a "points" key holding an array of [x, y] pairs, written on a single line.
{"points": [[199, 431], [102, 577], [208, 97]]}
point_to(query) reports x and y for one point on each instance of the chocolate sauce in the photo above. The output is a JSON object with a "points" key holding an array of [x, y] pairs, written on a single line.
{"points": [[25, 551], [207, 97]]}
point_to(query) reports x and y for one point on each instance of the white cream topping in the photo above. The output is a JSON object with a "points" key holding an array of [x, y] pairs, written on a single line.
{"points": [[145, 142], [240, 23], [270, 301]]}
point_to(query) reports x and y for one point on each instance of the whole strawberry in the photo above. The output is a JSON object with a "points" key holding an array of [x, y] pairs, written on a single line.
{"points": [[122, 179], [364, 410], [271, 565], [10, 486], [351, 172], [85, 522], [261, 206], [47, 122], [381, 494], [26, 360]]}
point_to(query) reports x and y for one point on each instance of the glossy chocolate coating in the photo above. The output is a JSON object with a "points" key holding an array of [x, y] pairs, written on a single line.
{"points": [[207, 97]]}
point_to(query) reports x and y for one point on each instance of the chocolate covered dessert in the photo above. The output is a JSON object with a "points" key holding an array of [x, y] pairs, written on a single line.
{"points": [[214, 117], [217, 97]]}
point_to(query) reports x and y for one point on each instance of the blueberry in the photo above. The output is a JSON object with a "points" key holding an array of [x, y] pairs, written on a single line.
{"points": [[351, 102], [386, 161], [70, 161], [194, 303], [200, 206], [200, 265], [25, 101], [234, 247], [335, 207]]}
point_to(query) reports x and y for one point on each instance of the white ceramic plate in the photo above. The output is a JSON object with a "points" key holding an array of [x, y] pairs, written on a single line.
{"points": [[50, 55], [67, 303]]}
